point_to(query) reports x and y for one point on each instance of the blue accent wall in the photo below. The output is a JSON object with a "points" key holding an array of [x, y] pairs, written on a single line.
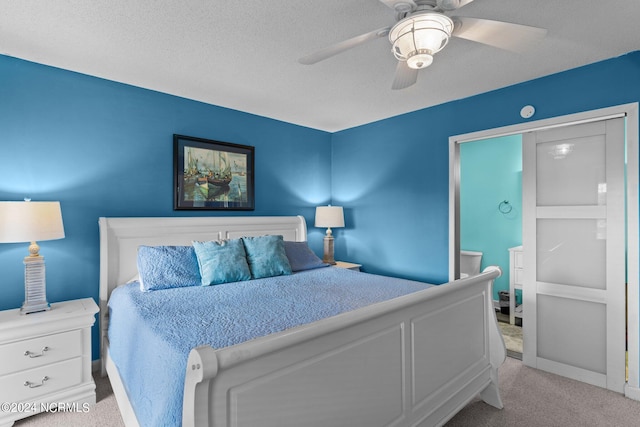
{"points": [[106, 149], [490, 175], [392, 176]]}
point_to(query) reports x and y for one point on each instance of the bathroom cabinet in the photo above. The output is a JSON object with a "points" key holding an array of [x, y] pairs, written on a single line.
{"points": [[516, 275]]}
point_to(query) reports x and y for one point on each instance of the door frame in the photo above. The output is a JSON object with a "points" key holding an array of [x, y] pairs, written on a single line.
{"points": [[630, 111]]}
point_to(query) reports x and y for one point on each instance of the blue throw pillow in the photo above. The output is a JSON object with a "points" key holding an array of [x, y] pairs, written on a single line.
{"points": [[165, 267], [266, 256], [301, 257], [222, 262]]}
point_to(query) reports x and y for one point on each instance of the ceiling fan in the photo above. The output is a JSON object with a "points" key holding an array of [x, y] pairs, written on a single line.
{"points": [[423, 29]]}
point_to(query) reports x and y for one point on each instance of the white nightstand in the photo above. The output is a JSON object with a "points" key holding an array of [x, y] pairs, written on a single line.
{"points": [[45, 358], [348, 265]]}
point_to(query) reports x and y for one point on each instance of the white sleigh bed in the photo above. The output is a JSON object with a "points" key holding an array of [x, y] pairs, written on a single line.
{"points": [[433, 350]]}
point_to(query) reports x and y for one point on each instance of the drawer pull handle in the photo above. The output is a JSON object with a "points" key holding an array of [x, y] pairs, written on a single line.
{"points": [[32, 354], [34, 385]]}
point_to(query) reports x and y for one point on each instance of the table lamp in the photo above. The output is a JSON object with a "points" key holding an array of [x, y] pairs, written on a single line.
{"points": [[329, 216], [28, 222]]}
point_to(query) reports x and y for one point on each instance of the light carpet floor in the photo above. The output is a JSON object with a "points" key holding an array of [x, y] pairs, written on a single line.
{"points": [[531, 398], [104, 414]]}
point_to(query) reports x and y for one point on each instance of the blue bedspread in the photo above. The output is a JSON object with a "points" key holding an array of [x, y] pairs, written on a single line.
{"points": [[151, 333]]}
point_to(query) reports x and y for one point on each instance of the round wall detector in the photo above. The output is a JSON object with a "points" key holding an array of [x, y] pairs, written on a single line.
{"points": [[527, 111]]}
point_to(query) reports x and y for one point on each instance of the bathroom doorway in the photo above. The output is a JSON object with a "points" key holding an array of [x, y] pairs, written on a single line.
{"points": [[491, 222], [630, 112]]}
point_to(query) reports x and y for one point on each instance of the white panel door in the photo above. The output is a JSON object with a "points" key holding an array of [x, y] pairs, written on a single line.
{"points": [[574, 252]]}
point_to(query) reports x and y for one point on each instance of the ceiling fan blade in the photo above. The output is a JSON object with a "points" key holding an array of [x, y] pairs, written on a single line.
{"points": [[503, 35], [404, 76], [340, 47]]}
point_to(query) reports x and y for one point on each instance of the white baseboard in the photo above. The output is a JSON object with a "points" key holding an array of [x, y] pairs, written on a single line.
{"points": [[632, 392]]}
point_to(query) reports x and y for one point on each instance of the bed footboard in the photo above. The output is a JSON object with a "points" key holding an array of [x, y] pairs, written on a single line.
{"points": [[412, 361]]}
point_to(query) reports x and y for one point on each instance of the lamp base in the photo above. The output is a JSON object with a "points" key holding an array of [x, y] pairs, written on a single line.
{"points": [[28, 308], [35, 295], [328, 251]]}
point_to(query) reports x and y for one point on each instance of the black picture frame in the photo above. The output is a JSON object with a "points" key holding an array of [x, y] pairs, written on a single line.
{"points": [[212, 175]]}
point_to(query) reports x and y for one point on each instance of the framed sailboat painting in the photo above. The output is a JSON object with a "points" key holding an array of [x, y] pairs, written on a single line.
{"points": [[212, 175]]}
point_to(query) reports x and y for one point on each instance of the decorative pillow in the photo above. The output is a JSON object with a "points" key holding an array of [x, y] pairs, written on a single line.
{"points": [[266, 256], [222, 262], [164, 267], [301, 257]]}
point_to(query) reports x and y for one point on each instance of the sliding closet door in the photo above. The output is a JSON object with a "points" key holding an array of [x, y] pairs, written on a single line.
{"points": [[574, 252]]}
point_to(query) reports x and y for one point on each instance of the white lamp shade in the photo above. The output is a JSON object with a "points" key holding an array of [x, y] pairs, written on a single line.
{"points": [[329, 216], [30, 221]]}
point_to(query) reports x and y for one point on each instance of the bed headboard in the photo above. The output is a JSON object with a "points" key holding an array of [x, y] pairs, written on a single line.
{"points": [[120, 238]]}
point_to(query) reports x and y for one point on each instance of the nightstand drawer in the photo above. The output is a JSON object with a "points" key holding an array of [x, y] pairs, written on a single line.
{"points": [[32, 383], [40, 351]]}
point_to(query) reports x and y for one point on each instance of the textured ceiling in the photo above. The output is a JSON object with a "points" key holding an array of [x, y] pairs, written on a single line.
{"points": [[243, 55]]}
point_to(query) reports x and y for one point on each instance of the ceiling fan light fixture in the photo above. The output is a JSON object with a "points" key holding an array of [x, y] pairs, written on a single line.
{"points": [[421, 59], [418, 37]]}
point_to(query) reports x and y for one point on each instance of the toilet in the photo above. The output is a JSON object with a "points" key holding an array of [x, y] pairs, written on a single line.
{"points": [[470, 262]]}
